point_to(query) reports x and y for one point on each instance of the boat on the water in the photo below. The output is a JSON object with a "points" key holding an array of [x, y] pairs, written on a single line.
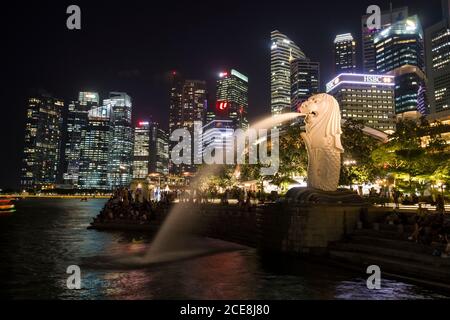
{"points": [[7, 206]]}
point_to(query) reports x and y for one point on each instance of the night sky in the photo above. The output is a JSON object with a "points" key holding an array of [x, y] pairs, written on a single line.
{"points": [[133, 46]]}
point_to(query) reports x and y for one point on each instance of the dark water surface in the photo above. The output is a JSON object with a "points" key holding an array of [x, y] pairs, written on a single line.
{"points": [[44, 237]]}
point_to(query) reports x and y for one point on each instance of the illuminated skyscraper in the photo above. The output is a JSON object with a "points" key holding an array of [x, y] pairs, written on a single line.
{"points": [[159, 150], [175, 102], [438, 62], [188, 103], [218, 134], [121, 143], [232, 98], [283, 52], [344, 54], [77, 121], [400, 52], [42, 142], [366, 97], [305, 81], [387, 19], [141, 158], [94, 151], [151, 150]]}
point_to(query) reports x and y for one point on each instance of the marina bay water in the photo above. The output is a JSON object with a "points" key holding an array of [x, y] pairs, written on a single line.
{"points": [[45, 236]]}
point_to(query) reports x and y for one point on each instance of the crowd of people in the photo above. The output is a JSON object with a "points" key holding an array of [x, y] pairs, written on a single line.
{"points": [[384, 197], [245, 198], [430, 229], [125, 205]]}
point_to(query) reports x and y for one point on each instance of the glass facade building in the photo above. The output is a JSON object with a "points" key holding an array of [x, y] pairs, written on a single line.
{"points": [[43, 133], [188, 104], [94, 154], [121, 143], [368, 47], [400, 52], [438, 62], [283, 52], [344, 53], [151, 150], [232, 98], [76, 122], [218, 134], [305, 81], [409, 84], [175, 103], [141, 158], [159, 150]]}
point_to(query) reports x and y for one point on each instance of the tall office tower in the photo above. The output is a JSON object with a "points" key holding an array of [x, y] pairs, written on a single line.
{"points": [[211, 111], [400, 52], [141, 158], [218, 134], [77, 121], [42, 142], [305, 81], [283, 52], [188, 103], [368, 48], [175, 114], [175, 102], [151, 150], [121, 149], [194, 103], [438, 62], [159, 150], [344, 54], [366, 97], [232, 98], [94, 151]]}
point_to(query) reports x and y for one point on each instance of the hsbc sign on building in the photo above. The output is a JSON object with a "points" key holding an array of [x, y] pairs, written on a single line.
{"points": [[366, 97]]}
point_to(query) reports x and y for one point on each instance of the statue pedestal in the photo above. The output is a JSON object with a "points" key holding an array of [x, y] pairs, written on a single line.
{"points": [[308, 221]]}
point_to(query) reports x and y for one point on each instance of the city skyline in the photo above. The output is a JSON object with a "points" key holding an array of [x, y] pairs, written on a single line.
{"points": [[259, 102]]}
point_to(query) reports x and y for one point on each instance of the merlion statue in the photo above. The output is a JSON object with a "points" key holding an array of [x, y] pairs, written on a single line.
{"points": [[323, 141]]}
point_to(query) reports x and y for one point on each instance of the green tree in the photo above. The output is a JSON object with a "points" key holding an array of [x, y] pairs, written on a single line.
{"points": [[293, 157], [357, 161], [413, 155]]}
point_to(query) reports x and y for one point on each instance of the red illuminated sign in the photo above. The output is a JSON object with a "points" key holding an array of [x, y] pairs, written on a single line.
{"points": [[222, 105]]}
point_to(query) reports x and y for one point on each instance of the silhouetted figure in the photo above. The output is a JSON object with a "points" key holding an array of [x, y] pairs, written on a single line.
{"points": [[440, 204]]}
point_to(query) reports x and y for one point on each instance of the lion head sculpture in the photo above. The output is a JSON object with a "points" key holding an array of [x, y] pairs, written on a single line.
{"points": [[323, 141], [323, 120]]}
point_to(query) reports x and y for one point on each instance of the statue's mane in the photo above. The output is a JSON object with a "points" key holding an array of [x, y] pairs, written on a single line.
{"points": [[328, 123]]}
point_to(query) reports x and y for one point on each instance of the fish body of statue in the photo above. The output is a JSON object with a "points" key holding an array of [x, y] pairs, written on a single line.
{"points": [[323, 141]]}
